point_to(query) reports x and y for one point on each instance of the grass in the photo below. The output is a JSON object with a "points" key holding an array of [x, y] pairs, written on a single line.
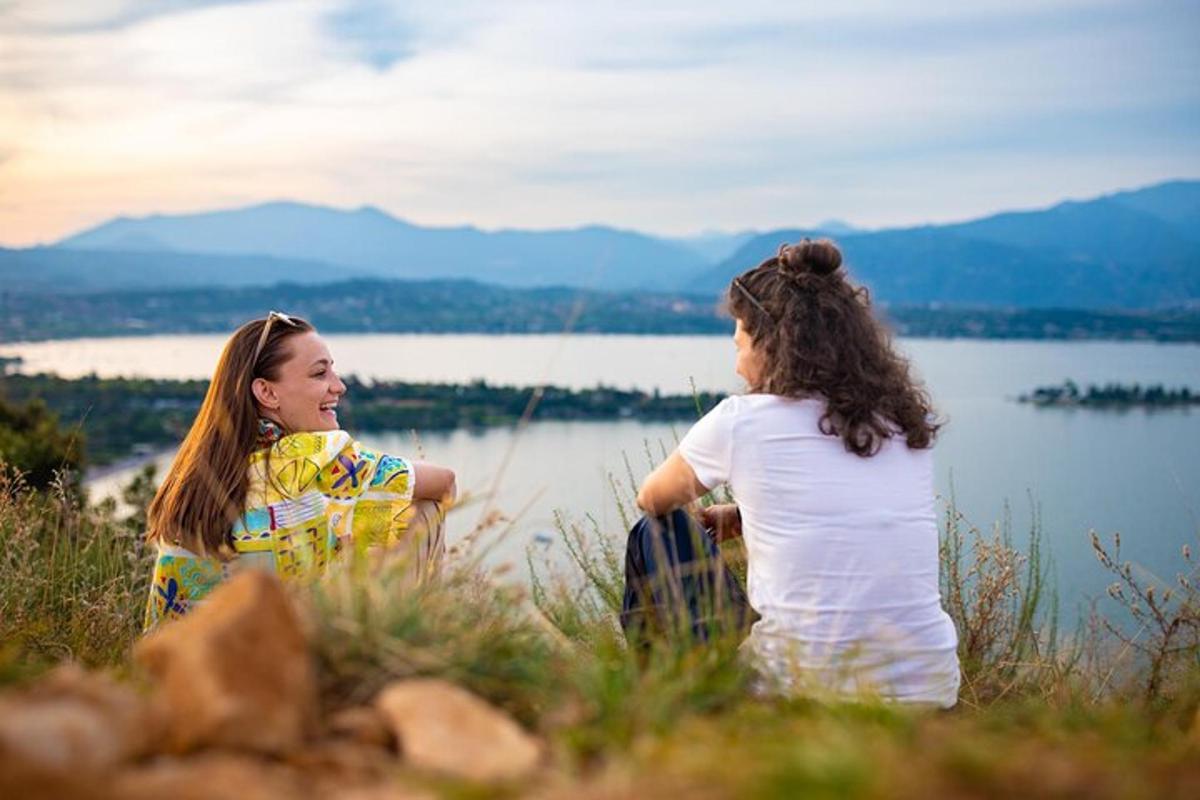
{"points": [[73, 576], [1109, 709]]}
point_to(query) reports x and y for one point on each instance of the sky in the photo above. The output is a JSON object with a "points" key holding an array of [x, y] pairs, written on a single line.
{"points": [[666, 117]]}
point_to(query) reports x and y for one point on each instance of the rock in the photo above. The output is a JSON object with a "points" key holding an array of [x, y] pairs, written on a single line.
{"points": [[443, 727], [381, 791], [321, 772], [236, 672], [22, 779], [335, 766], [212, 776], [362, 725], [342, 761], [74, 721]]}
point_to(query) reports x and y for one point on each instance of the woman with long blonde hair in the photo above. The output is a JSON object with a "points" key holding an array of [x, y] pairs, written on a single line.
{"points": [[266, 478]]}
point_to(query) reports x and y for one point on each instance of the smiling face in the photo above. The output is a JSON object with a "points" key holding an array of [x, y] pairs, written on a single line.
{"points": [[305, 394], [749, 360]]}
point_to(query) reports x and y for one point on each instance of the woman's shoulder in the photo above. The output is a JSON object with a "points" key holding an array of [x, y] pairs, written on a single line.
{"points": [[295, 461], [746, 404], [316, 445], [746, 414]]}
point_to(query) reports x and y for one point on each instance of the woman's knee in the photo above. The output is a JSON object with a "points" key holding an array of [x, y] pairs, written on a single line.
{"points": [[425, 530], [678, 519], [429, 515], [669, 534]]}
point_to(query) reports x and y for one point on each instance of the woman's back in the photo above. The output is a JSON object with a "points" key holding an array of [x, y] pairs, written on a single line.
{"points": [[842, 549]]}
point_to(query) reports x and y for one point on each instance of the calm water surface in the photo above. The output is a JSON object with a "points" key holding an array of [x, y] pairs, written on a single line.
{"points": [[1135, 472]]}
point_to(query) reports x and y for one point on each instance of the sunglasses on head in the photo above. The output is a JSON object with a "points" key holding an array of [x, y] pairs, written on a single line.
{"points": [[266, 331], [737, 282]]}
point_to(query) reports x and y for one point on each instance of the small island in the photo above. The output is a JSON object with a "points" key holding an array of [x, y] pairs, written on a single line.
{"points": [[1111, 395]]}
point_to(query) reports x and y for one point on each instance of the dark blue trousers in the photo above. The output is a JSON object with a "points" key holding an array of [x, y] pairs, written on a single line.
{"points": [[676, 585]]}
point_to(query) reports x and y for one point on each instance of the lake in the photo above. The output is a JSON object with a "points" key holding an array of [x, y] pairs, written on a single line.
{"points": [[1132, 471]]}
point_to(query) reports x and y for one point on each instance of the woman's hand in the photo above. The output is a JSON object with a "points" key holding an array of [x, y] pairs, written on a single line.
{"points": [[724, 520]]}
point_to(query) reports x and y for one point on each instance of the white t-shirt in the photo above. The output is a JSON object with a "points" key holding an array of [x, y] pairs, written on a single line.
{"points": [[842, 551]]}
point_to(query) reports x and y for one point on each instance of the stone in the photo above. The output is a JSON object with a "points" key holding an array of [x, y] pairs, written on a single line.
{"points": [[77, 722], [21, 779], [325, 771], [334, 766], [212, 776], [443, 727], [342, 760], [386, 790], [362, 725], [236, 672]]}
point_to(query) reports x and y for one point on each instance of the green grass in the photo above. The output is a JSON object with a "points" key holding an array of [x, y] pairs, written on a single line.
{"points": [[73, 577], [1043, 712]]}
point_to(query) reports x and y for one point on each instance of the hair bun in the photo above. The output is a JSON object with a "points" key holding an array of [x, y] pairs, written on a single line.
{"points": [[821, 257]]}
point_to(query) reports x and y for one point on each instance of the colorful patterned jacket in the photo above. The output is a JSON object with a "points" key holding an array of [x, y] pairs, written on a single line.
{"points": [[310, 496]]}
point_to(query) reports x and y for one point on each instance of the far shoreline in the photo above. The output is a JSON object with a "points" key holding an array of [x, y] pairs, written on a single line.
{"points": [[7, 347]]}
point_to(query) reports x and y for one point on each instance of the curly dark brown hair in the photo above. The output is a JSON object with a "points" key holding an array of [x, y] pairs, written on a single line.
{"points": [[819, 338]]}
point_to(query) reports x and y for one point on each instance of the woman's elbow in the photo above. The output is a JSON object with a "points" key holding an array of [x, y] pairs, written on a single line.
{"points": [[435, 483], [645, 501], [448, 487]]}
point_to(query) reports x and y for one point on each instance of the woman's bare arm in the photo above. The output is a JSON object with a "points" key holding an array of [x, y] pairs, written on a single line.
{"points": [[432, 482], [673, 484]]}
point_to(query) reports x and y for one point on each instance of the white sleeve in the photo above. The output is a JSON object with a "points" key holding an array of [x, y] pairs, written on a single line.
{"points": [[708, 446]]}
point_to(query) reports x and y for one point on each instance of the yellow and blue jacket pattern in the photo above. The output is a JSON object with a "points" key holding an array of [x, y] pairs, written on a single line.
{"points": [[311, 495]]}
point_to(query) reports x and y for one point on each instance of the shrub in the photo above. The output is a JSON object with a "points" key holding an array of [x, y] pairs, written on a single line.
{"points": [[33, 444], [1164, 627]]}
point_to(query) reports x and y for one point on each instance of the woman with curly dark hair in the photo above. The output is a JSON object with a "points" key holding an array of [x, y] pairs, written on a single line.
{"points": [[829, 457]]}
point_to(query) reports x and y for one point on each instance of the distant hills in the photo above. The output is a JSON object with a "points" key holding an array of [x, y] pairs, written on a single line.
{"points": [[373, 242], [57, 270], [714, 246], [1130, 249], [1127, 250]]}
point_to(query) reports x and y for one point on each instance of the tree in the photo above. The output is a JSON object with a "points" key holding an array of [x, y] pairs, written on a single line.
{"points": [[31, 442]]}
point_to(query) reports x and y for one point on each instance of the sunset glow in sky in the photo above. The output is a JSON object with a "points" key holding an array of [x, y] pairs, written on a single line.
{"points": [[669, 117]]}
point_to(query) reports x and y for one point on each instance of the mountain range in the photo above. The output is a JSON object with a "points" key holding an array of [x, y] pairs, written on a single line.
{"points": [[1137, 249], [1130, 249], [59, 270], [371, 241]]}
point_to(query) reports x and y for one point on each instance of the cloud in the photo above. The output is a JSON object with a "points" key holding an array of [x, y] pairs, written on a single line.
{"points": [[374, 31], [94, 16], [675, 116]]}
